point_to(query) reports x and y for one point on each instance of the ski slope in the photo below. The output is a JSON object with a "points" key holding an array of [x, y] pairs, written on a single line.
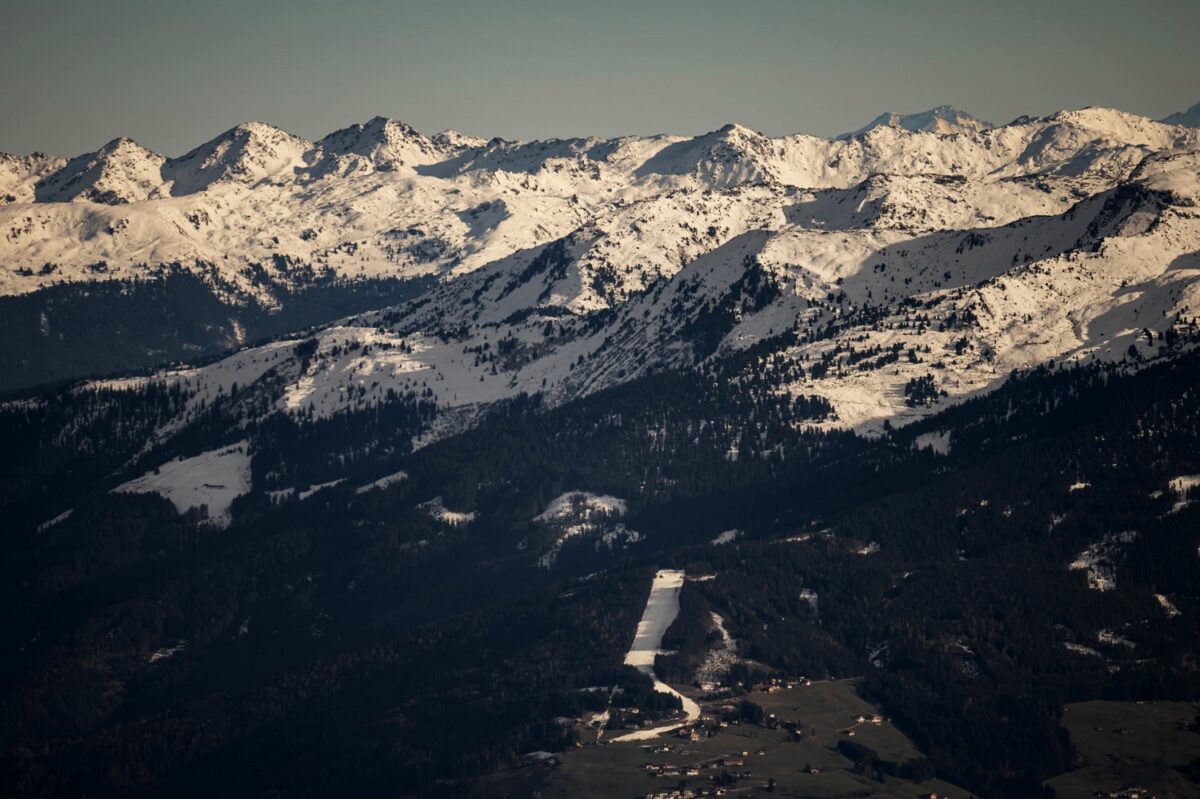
{"points": [[661, 609]]}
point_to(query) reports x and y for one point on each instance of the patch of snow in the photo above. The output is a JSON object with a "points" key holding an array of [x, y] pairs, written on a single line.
{"points": [[439, 511], [581, 505], [811, 597], [580, 513], [62, 517], [382, 482], [213, 479], [937, 441], [1111, 638], [1099, 560], [599, 719], [619, 536], [308, 492], [727, 537], [1167, 605], [1182, 487], [280, 494], [610, 537], [166, 652], [718, 661], [1080, 649]]}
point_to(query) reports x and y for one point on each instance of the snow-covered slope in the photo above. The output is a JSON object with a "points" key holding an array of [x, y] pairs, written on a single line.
{"points": [[853, 315], [20, 176], [888, 272], [210, 480]]}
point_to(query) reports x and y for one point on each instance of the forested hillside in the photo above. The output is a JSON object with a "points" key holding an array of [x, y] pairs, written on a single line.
{"points": [[412, 637]]}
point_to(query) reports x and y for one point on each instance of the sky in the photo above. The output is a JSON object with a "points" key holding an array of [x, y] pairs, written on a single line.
{"points": [[76, 73]]}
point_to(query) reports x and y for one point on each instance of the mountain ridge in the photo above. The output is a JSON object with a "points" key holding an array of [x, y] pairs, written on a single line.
{"points": [[569, 265], [200, 209], [1189, 118]]}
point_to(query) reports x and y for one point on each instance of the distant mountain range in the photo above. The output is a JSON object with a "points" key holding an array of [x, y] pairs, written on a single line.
{"points": [[1189, 118], [600, 259]]}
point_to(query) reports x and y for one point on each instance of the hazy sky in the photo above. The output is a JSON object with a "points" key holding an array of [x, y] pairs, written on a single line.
{"points": [[171, 74]]}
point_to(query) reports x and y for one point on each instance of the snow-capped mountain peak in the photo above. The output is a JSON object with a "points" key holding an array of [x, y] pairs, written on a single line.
{"points": [[387, 145], [732, 155], [944, 120], [245, 154], [457, 140], [122, 171]]}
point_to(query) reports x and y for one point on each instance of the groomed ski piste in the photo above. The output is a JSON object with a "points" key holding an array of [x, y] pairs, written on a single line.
{"points": [[661, 609]]}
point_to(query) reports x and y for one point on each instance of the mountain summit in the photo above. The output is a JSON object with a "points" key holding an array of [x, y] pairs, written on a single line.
{"points": [[245, 154], [120, 172], [1189, 118], [387, 145], [943, 120]]}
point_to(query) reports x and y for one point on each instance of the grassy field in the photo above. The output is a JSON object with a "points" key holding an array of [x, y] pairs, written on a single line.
{"points": [[1124, 744], [615, 770]]}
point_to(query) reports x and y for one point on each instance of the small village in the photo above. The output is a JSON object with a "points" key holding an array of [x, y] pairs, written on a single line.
{"points": [[754, 738]]}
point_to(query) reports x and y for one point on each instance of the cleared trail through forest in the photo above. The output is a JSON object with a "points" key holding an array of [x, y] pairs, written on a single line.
{"points": [[661, 609]]}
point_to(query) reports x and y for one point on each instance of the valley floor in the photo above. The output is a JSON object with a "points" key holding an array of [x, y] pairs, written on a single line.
{"points": [[753, 754]]}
